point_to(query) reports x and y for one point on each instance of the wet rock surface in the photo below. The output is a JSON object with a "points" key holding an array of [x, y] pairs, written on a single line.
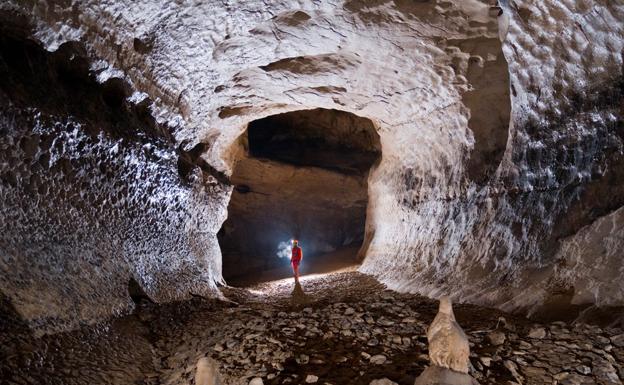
{"points": [[345, 328]]}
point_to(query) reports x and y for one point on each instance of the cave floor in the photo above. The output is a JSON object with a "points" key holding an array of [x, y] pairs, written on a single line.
{"points": [[341, 260], [339, 328]]}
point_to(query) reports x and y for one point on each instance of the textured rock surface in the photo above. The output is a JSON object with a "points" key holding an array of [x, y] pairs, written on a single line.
{"points": [[448, 344], [435, 375], [461, 203], [348, 320], [92, 196], [559, 172]]}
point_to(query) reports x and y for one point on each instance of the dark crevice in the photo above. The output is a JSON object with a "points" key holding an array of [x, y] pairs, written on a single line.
{"points": [[136, 292], [62, 83], [189, 160], [142, 45]]}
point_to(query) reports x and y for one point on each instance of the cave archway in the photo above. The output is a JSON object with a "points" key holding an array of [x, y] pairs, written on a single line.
{"points": [[303, 175]]}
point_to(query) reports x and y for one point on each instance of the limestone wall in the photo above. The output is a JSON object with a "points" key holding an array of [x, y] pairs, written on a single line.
{"points": [[464, 201]]}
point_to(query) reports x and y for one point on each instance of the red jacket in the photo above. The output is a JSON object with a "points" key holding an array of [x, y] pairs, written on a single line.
{"points": [[296, 254]]}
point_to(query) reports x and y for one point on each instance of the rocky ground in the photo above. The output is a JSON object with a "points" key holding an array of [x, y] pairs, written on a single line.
{"points": [[340, 328]]}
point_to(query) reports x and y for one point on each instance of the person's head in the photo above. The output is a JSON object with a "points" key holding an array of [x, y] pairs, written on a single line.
{"points": [[295, 242]]}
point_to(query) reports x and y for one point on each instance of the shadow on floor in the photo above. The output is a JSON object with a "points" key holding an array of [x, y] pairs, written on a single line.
{"points": [[298, 296]]}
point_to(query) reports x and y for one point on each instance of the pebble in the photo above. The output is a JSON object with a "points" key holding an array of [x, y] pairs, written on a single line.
{"points": [[561, 376], [384, 322], [256, 381], [496, 338], [383, 381], [537, 333], [512, 367], [618, 340], [311, 379], [378, 359]]}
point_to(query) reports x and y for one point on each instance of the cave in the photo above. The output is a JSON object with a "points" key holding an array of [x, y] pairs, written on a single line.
{"points": [[303, 175], [453, 170]]}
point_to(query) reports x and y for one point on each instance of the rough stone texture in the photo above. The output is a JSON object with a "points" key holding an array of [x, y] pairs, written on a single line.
{"points": [[348, 319], [559, 173], [461, 203], [435, 375], [92, 197], [590, 262], [448, 344]]}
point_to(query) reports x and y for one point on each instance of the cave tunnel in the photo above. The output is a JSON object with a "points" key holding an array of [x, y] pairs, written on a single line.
{"points": [[500, 191], [303, 176]]}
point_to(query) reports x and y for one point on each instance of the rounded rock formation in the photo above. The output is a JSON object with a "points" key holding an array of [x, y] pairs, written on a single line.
{"points": [[448, 344]]}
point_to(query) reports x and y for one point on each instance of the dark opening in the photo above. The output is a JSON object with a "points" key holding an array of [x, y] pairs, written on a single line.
{"points": [[304, 176], [136, 292], [330, 139]]}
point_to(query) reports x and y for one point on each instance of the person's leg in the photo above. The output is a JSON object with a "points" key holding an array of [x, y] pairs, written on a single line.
{"points": [[296, 271]]}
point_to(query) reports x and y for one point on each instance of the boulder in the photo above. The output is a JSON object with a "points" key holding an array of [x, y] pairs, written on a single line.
{"points": [[435, 375]]}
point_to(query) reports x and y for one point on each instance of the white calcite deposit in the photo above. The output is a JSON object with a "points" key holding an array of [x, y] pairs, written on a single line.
{"points": [[448, 344]]}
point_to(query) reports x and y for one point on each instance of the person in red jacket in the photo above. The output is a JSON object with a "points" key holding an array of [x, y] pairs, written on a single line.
{"points": [[295, 259]]}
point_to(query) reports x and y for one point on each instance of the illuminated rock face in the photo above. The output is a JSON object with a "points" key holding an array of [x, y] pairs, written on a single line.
{"points": [[303, 177], [502, 244], [494, 155], [93, 198]]}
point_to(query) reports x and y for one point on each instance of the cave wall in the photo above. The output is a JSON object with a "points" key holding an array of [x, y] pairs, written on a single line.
{"points": [[462, 202], [507, 244], [92, 197]]}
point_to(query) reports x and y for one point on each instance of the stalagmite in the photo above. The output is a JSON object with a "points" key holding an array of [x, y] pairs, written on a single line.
{"points": [[449, 350], [448, 344], [206, 372]]}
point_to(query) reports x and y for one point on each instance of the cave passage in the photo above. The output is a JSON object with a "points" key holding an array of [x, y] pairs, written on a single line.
{"points": [[303, 176]]}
